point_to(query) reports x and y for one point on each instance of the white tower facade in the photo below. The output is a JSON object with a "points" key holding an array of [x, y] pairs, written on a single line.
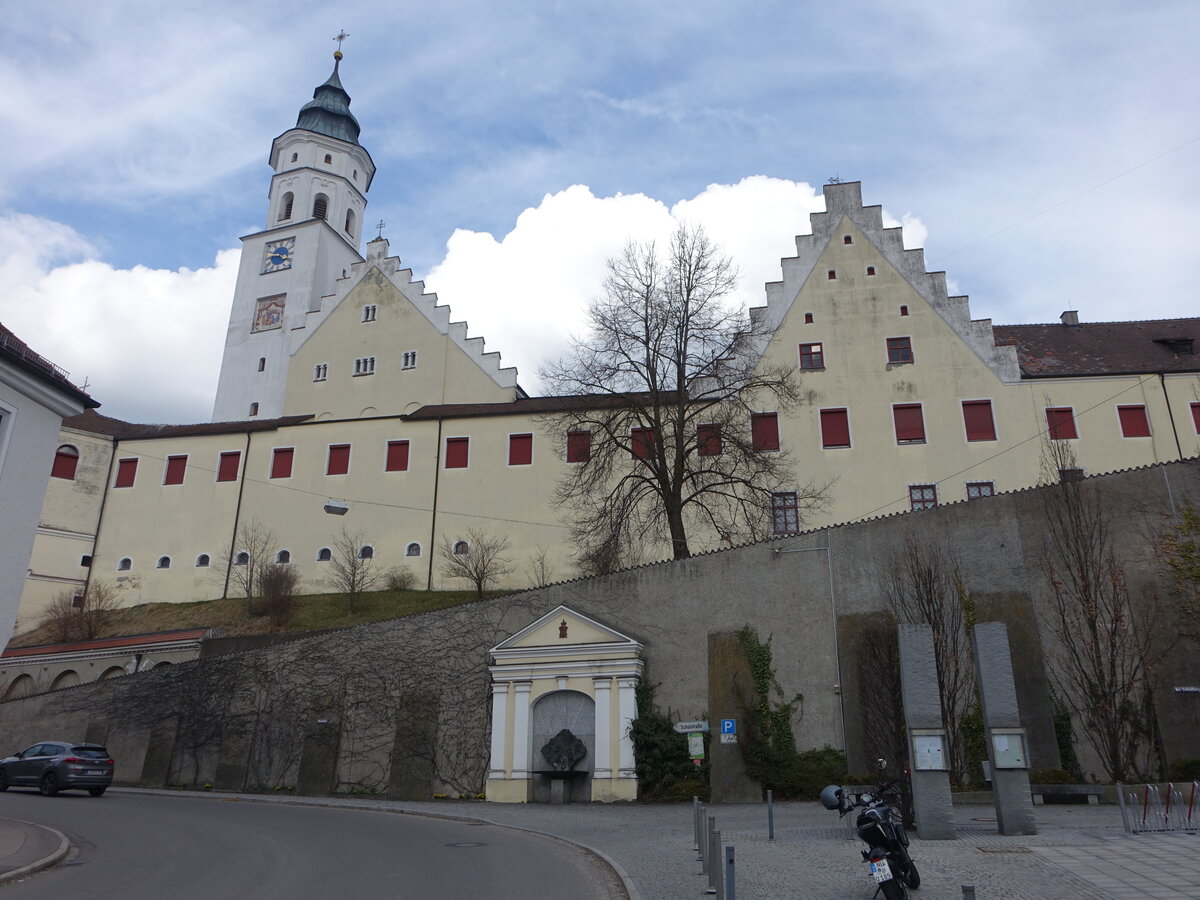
{"points": [[312, 233]]}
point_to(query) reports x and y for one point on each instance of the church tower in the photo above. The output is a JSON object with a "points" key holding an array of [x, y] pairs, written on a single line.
{"points": [[311, 236]]}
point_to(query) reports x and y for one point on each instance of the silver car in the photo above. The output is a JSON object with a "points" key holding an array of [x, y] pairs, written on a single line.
{"points": [[56, 766]]}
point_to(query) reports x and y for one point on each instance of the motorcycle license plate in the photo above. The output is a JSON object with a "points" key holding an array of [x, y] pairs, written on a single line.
{"points": [[881, 871]]}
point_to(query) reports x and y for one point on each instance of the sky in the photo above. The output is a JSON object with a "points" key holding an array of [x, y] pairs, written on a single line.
{"points": [[1045, 155]]}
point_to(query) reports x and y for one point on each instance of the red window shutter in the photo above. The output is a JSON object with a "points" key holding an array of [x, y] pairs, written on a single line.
{"points": [[227, 468], [764, 431], [126, 472], [910, 425], [977, 416], [339, 459], [1196, 416], [1061, 423], [835, 428], [176, 466], [397, 456], [579, 446], [457, 450], [66, 459], [520, 449], [642, 443], [281, 462], [708, 440], [1134, 422]]}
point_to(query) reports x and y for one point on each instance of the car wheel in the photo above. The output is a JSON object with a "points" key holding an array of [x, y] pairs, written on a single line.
{"points": [[3, 780], [96, 792], [49, 785]]}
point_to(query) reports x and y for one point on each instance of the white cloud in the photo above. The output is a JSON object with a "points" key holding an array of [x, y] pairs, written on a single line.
{"points": [[148, 341]]}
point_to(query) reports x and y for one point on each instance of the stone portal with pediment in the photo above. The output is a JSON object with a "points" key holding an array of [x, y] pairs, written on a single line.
{"points": [[565, 671]]}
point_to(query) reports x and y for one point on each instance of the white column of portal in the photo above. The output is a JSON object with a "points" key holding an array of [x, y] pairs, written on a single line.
{"points": [[627, 708], [499, 728], [603, 760], [520, 764]]}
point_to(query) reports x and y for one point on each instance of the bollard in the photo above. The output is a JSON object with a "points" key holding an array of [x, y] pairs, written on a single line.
{"points": [[696, 824], [730, 887], [706, 859], [968, 892], [714, 863], [770, 815]]}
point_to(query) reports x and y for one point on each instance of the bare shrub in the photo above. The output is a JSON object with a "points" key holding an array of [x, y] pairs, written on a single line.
{"points": [[481, 562], [76, 616], [350, 572], [400, 578], [539, 570], [277, 582]]}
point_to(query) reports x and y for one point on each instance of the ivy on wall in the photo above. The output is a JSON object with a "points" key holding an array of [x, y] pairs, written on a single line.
{"points": [[664, 770]]}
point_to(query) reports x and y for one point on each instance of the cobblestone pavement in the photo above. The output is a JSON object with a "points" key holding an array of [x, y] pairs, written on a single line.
{"points": [[1080, 852]]}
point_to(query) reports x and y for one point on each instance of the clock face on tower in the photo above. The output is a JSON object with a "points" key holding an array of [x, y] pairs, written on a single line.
{"points": [[278, 255]]}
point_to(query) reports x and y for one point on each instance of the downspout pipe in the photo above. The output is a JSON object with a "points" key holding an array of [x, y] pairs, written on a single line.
{"points": [[87, 581], [1162, 380], [437, 471], [237, 515]]}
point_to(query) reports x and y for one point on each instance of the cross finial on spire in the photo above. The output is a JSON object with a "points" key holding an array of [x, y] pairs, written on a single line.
{"points": [[380, 225], [339, 37]]}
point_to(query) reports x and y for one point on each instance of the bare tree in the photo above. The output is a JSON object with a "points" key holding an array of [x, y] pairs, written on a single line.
{"points": [[479, 559], [925, 586], [540, 571], [663, 391], [278, 581], [253, 550], [81, 616], [1106, 658], [352, 569]]}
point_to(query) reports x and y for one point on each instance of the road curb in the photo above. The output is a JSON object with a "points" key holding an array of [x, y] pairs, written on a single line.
{"points": [[50, 859], [626, 880]]}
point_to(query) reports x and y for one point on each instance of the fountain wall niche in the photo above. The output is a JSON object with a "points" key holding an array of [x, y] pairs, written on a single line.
{"points": [[564, 745]]}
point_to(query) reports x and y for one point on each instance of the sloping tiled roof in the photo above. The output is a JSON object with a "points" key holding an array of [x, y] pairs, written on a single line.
{"points": [[1104, 348], [112, 643], [98, 424], [17, 352], [524, 405]]}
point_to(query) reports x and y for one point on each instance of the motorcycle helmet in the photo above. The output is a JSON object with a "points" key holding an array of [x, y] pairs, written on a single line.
{"points": [[831, 797]]}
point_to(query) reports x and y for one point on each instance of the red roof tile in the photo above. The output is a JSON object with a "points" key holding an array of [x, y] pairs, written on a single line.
{"points": [[111, 643], [1104, 348], [97, 424], [17, 352]]}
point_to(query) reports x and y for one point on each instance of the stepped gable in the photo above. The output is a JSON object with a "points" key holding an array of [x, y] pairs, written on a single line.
{"points": [[844, 201], [388, 267], [1103, 348]]}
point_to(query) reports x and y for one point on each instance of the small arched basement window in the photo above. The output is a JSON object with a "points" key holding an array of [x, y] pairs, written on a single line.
{"points": [[413, 549], [461, 548], [164, 562], [283, 557], [125, 564], [324, 554], [320, 206], [202, 561], [285, 209], [66, 460], [367, 552], [242, 559]]}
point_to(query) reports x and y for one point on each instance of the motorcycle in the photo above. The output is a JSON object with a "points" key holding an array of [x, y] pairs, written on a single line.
{"points": [[880, 828]]}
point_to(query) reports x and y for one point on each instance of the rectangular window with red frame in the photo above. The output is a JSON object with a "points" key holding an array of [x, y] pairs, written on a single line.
{"points": [[764, 431], [227, 465], [899, 350], [708, 440], [339, 459], [457, 452], [922, 496], [977, 417], [397, 457], [835, 428], [1134, 421], [520, 449], [641, 443], [126, 472], [281, 462], [1196, 416], [812, 356], [1060, 423], [176, 467], [910, 423], [579, 446]]}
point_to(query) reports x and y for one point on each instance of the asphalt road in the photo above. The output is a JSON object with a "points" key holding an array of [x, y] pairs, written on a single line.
{"points": [[136, 847]]}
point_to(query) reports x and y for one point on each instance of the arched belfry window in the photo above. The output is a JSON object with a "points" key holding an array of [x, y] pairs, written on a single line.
{"points": [[350, 222], [285, 208], [320, 207], [328, 159]]}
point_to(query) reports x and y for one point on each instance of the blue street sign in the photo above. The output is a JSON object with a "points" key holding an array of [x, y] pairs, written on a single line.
{"points": [[729, 726]]}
